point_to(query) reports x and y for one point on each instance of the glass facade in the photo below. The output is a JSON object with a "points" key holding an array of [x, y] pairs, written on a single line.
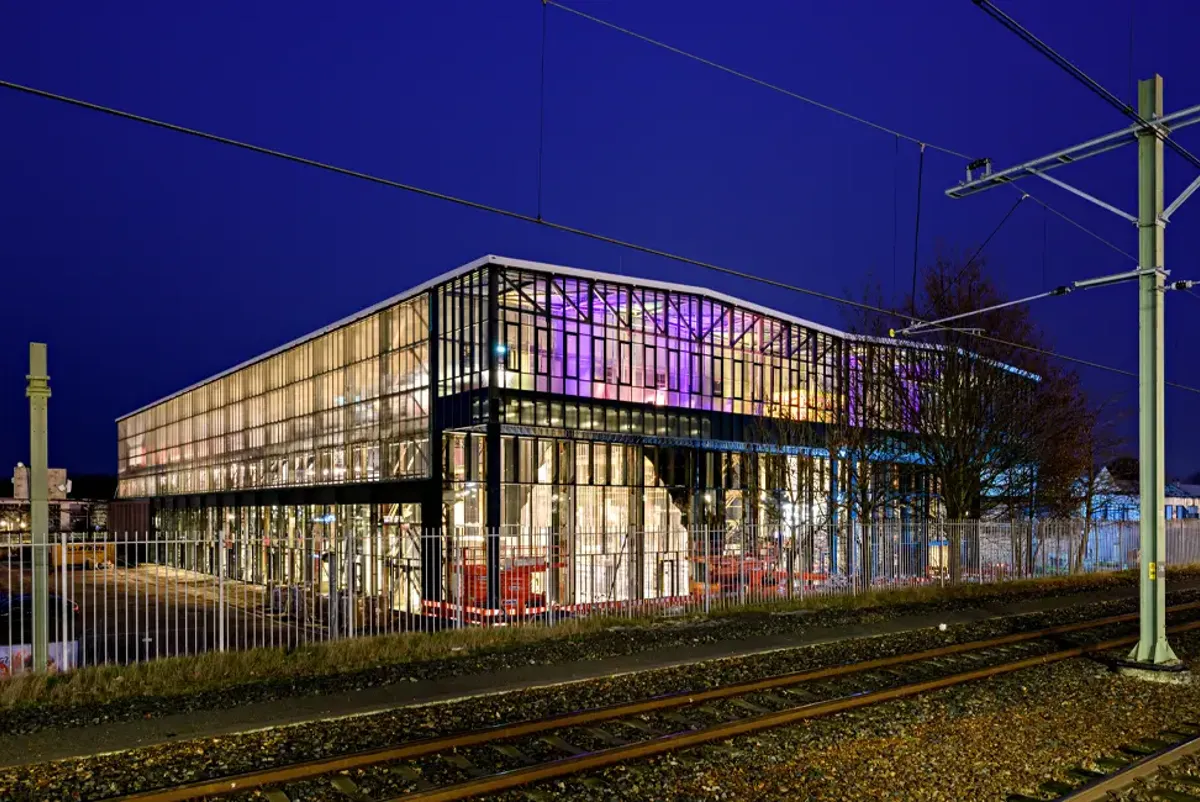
{"points": [[603, 385], [462, 311], [608, 431], [373, 548], [617, 405], [350, 405], [597, 338]]}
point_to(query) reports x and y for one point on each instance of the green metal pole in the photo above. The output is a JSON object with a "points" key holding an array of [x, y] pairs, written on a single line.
{"points": [[38, 391], [1152, 646]]}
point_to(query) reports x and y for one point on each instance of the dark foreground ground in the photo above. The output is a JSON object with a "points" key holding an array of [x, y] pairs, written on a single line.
{"points": [[818, 758]]}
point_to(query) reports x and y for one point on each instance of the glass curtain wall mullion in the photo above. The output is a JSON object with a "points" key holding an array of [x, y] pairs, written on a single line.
{"points": [[311, 414], [461, 314], [663, 348]]}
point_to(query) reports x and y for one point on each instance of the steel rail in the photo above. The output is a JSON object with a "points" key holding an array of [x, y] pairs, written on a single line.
{"points": [[421, 748], [1143, 769], [720, 732]]}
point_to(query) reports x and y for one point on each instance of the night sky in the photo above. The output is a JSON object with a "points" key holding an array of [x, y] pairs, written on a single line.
{"points": [[148, 260]]}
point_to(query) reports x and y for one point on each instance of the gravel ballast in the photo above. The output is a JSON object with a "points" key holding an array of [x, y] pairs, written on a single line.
{"points": [[981, 741], [100, 777], [612, 642], [1182, 777]]}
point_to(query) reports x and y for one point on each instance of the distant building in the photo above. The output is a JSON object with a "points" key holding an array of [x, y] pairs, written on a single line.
{"points": [[69, 512], [57, 483], [1119, 500]]}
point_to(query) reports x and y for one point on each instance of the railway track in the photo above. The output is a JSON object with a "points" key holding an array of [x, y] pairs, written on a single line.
{"points": [[496, 759], [1148, 764]]}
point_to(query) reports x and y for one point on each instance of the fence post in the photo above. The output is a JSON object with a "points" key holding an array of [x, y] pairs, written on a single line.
{"points": [[64, 663], [459, 555], [220, 590], [708, 573], [331, 595], [943, 562], [351, 594]]}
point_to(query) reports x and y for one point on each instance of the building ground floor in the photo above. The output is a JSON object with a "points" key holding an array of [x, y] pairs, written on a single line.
{"points": [[567, 519]]}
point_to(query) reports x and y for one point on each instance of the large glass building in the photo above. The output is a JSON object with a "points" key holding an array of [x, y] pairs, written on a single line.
{"points": [[598, 419]]}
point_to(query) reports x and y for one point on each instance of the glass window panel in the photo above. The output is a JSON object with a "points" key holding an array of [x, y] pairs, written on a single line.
{"points": [[616, 464], [599, 463], [583, 463]]}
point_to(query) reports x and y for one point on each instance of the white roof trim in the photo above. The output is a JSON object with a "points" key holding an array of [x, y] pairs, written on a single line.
{"points": [[666, 285], [527, 265], [346, 321]]}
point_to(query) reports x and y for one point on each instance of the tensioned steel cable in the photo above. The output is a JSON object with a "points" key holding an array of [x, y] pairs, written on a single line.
{"points": [[1037, 44], [895, 214], [912, 299], [541, 114], [429, 193], [752, 79], [995, 230], [1079, 226], [820, 105]]}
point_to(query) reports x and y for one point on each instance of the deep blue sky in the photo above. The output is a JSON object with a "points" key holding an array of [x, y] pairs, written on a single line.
{"points": [[148, 260]]}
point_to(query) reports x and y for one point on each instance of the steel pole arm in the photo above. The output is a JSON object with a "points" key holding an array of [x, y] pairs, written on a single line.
{"points": [[1083, 284]]}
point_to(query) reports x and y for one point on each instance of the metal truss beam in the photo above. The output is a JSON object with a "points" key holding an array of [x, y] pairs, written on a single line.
{"points": [[1093, 147]]}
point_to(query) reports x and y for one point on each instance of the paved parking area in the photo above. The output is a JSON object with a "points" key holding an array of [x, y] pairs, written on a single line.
{"points": [[127, 614]]}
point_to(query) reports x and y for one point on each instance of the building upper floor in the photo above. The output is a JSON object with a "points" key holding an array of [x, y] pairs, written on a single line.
{"points": [[296, 415]]}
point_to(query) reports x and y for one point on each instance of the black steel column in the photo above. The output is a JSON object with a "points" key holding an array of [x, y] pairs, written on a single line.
{"points": [[833, 516], [431, 498], [492, 521]]}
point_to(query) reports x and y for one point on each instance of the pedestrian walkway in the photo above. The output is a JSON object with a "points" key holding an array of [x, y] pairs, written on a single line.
{"points": [[118, 736]]}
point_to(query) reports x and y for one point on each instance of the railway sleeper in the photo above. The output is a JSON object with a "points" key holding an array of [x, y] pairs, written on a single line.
{"points": [[347, 787], [513, 753], [412, 776], [1057, 787], [747, 705], [640, 726], [606, 737], [1167, 795], [562, 745], [463, 763]]}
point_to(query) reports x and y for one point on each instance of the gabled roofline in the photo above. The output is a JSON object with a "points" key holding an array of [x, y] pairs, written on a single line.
{"points": [[654, 284], [543, 267], [346, 321]]}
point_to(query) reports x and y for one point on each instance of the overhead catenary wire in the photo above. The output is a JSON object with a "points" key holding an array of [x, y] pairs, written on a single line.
{"points": [[995, 231], [759, 81], [1080, 226], [941, 322], [895, 214], [541, 114], [1082, 284], [832, 109], [1075, 72], [514, 215], [912, 299]]}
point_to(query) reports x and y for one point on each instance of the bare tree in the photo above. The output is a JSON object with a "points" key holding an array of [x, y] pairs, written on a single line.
{"points": [[863, 439], [869, 436], [1098, 442], [967, 404], [991, 422]]}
